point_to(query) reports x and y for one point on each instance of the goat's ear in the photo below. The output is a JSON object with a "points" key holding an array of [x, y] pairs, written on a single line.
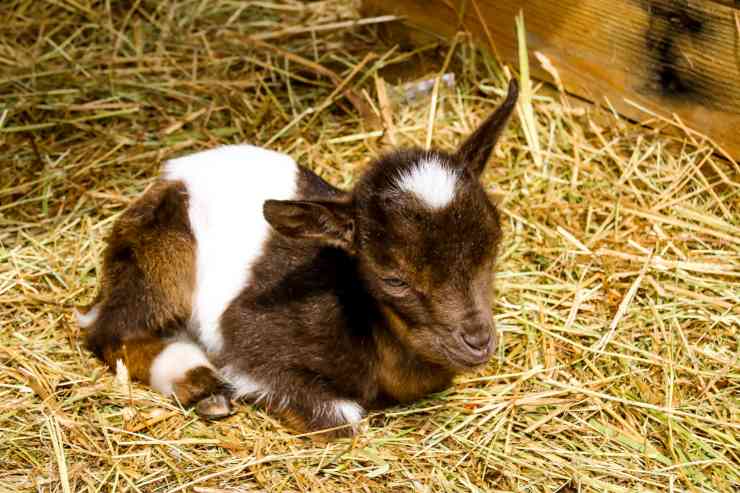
{"points": [[326, 221], [477, 148]]}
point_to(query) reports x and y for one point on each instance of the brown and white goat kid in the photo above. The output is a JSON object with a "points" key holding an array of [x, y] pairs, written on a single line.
{"points": [[240, 275]]}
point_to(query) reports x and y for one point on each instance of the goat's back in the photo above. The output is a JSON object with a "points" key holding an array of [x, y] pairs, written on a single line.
{"points": [[226, 188]]}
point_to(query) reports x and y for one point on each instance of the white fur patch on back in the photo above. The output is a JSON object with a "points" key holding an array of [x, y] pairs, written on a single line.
{"points": [[430, 181], [85, 320], [348, 411], [227, 187], [173, 363]]}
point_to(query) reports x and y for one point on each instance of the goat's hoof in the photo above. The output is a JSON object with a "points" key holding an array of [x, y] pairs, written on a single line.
{"points": [[216, 406]]}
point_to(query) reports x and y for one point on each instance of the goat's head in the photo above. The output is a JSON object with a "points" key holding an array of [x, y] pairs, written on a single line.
{"points": [[425, 236]]}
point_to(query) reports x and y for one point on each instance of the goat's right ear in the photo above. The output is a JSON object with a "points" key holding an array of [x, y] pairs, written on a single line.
{"points": [[327, 221]]}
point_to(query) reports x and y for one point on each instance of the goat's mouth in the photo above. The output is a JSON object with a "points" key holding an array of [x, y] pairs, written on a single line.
{"points": [[464, 357]]}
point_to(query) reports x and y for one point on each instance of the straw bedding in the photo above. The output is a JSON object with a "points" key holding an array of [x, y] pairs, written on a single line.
{"points": [[618, 284]]}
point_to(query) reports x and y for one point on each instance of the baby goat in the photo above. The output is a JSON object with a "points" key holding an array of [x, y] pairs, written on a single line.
{"points": [[240, 275]]}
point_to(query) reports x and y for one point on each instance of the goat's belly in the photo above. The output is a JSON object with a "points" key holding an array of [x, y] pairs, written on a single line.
{"points": [[227, 188]]}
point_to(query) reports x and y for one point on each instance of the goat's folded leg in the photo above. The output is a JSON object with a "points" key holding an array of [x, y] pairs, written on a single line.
{"points": [[183, 370], [309, 406], [174, 367]]}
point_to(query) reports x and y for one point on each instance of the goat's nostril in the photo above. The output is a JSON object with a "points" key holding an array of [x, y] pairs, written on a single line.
{"points": [[478, 341]]}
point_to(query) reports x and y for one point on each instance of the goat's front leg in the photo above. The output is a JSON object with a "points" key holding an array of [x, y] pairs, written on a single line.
{"points": [[330, 419], [307, 404]]}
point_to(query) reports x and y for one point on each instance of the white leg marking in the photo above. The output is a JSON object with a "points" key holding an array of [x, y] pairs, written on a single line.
{"points": [[431, 181], [348, 411], [243, 385], [173, 363], [85, 320], [227, 187]]}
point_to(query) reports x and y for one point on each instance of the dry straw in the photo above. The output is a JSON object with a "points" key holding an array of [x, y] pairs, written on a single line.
{"points": [[618, 285]]}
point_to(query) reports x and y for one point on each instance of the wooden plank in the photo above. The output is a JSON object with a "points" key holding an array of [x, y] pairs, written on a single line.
{"points": [[677, 57]]}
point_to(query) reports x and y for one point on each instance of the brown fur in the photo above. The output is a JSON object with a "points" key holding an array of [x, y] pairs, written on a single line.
{"points": [[400, 377], [145, 296], [137, 354], [198, 384], [148, 275], [293, 420], [155, 232]]}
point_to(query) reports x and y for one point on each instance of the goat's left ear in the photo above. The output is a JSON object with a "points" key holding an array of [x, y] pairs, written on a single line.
{"points": [[477, 148], [326, 221]]}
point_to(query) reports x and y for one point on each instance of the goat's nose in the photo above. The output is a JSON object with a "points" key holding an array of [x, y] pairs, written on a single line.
{"points": [[477, 340]]}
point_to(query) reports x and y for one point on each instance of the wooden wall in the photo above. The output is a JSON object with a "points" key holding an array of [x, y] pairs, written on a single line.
{"points": [[677, 57]]}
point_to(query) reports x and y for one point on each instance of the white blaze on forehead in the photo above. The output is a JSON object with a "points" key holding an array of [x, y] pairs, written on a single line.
{"points": [[431, 181], [226, 189]]}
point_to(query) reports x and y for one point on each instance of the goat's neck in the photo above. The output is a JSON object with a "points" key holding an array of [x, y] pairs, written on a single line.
{"points": [[401, 374]]}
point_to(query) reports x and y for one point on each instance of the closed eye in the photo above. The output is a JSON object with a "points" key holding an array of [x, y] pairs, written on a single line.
{"points": [[395, 282]]}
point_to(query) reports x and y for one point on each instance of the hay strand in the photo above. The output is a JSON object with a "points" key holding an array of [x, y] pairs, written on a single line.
{"points": [[618, 286]]}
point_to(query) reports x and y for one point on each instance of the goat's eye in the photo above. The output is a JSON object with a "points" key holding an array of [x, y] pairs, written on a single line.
{"points": [[395, 282]]}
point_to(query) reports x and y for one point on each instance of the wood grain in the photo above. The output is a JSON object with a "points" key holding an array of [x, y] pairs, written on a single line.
{"points": [[677, 57]]}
